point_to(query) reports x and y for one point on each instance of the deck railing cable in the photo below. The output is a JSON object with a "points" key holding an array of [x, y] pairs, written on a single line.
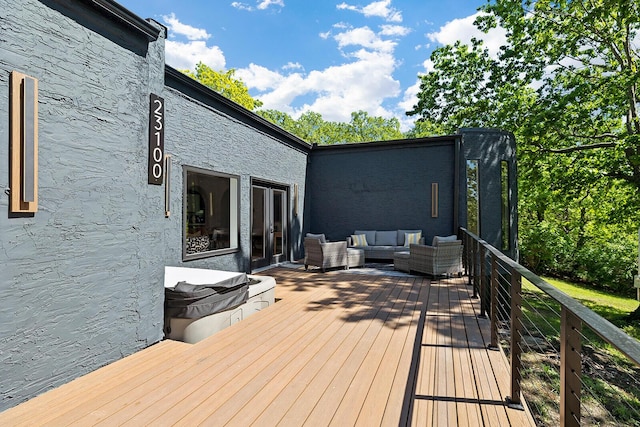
{"points": [[569, 364]]}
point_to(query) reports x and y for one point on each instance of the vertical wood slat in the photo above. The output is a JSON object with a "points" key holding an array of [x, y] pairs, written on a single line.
{"points": [[570, 368], [23, 163]]}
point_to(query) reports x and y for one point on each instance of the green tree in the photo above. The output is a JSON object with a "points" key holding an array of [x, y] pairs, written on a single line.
{"points": [[225, 83], [566, 84], [312, 127]]}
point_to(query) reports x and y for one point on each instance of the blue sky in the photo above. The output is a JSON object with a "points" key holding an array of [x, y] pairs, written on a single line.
{"points": [[327, 56]]}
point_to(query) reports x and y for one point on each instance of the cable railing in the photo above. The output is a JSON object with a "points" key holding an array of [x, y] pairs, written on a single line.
{"points": [[570, 365]]}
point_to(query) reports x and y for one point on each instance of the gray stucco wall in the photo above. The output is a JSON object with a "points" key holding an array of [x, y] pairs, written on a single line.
{"points": [[80, 278], [381, 186], [202, 136]]}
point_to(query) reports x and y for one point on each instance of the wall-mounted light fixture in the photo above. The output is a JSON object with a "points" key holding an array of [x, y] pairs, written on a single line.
{"points": [[167, 185], [295, 199], [23, 182], [434, 200]]}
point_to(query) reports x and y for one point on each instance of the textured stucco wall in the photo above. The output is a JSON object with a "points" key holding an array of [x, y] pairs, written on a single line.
{"points": [[81, 279], [201, 136], [381, 187]]}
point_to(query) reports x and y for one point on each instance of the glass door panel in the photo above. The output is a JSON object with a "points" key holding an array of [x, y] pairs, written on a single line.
{"points": [[279, 223], [258, 219], [269, 225]]}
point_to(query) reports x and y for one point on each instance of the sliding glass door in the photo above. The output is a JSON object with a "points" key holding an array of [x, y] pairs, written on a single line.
{"points": [[269, 225]]}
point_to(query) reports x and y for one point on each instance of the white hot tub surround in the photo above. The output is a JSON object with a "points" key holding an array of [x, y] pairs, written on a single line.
{"points": [[261, 295]]}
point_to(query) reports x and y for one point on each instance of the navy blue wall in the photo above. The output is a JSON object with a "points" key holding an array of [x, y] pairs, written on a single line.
{"points": [[381, 186], [490, 147]]}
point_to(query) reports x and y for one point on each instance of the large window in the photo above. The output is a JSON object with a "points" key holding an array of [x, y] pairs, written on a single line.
{"points": [[210, 213], [504, 182], [473, 197]]}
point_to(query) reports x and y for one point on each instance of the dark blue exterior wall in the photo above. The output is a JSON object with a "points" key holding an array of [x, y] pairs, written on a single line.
{"points": [[382, 186], [490, 147]]}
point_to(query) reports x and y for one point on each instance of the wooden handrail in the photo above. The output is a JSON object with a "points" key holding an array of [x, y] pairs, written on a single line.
{"points": [[573, 316]]}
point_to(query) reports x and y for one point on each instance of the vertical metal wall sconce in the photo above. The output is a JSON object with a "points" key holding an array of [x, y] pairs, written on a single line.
{"points": [[434, 200], [295, 199], [23, 182], [167, 185]]}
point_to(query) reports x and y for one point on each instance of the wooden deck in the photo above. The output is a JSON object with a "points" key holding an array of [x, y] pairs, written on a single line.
{"points": [[336, 349]]}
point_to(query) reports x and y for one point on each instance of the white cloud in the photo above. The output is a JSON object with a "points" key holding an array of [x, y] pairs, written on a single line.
{"points": [[178, 28], [261, 5], [364, 37], [293, 66], [264, 4], [463, 29], [187, 46], [380, 9], [186, 55], [394, 30]]}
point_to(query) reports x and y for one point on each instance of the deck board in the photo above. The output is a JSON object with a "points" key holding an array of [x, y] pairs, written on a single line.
{"points": [[338, 348]]}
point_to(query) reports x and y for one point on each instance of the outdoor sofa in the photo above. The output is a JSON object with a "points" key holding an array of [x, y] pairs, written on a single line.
{"points": [[383, 244]]}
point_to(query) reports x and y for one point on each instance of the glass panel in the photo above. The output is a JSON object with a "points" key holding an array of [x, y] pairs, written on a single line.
{"points": [[504, 180], [473, 197], [258, 235], [278, 222], [210, 212]]}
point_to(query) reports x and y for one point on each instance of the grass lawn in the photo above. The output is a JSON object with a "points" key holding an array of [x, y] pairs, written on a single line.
{"points": [[609, 379], [614, 308]]}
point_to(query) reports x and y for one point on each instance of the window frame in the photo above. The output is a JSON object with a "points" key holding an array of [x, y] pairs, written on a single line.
{"points": [[213, 252]]}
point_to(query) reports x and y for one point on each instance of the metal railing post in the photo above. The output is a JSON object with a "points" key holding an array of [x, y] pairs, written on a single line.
{"points": [[483, 281], [516, 337], [570, 368], [475, 269], [494, 303]]}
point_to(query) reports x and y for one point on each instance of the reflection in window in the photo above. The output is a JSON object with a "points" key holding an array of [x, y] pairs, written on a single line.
{"points": [[210, 213], [504, 182], [473, 197]]}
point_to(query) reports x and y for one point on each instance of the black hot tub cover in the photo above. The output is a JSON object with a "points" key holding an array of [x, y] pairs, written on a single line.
{"points": [[191, 301]]}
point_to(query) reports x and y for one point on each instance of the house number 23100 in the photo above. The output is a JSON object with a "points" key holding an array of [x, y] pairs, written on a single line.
{"points": [[156, 139]]}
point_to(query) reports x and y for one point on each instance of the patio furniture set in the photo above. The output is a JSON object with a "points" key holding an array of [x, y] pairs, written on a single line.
{"points": [[406, 248]]}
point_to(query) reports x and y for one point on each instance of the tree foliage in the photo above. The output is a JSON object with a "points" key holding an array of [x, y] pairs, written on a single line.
{"points": [[566, 84], [312, 128], [226, 84]]}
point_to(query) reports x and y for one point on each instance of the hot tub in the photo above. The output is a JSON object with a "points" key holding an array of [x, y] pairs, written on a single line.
{"points": [[260, 294]]}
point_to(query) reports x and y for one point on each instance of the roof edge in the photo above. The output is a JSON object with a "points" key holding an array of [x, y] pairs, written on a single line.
{"points": [[124, 15], [290, 139]]}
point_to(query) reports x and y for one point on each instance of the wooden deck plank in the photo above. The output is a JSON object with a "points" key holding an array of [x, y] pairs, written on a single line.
{"points": [[369, 390], [273, 410], [77, 395], [319, 403], [405, 381], [175, 379], [256, 395], [224, 374], [338, 347]]}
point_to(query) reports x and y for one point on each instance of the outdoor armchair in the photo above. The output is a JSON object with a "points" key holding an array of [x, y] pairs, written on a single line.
{"points": [[443, 259], [324, 255]]}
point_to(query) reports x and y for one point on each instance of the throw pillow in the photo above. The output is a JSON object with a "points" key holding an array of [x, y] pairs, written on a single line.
{"points": [[318, 236], [371, 236], [410, 238], [359, 240], [438, 239]]}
